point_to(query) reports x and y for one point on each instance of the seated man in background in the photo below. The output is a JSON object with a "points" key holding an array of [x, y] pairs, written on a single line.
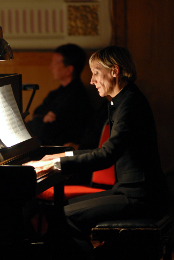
{"points": [[65, 112]]}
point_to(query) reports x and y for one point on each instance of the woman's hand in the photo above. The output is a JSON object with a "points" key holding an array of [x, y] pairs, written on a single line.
{"points": [[41, 167], [45, 164]]}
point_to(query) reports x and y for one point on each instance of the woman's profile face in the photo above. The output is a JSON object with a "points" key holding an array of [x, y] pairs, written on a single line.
{"points": [[103, 79]]}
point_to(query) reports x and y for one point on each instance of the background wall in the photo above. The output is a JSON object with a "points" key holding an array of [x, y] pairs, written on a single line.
{"points": [[146, 28]]}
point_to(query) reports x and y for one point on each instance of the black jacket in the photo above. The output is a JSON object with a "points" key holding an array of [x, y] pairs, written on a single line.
{"points": [[132, 146]]}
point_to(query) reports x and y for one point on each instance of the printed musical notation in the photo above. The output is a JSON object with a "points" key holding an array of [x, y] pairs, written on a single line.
{"points": [[12, 128]]}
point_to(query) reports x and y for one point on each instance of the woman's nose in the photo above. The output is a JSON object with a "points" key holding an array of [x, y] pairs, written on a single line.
{"points": [[92, 81]]}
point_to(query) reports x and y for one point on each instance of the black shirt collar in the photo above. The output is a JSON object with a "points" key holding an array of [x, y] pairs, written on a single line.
{"points": [[118, 98]]}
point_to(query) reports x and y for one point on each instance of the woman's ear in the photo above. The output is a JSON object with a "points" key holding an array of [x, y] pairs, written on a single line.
{"points": [[115, 70]]}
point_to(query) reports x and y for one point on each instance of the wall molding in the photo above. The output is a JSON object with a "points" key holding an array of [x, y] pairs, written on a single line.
{"points": [[41, 24]]}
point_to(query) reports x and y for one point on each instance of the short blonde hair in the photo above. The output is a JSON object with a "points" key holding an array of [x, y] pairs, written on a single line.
{"points": [[114, 55]]}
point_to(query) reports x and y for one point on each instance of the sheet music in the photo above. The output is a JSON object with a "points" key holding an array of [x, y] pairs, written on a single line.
{"points": [[12, 129]]}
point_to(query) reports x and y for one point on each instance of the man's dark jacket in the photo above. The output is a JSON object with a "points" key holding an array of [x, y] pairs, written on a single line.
{"points": [[72, 108]]}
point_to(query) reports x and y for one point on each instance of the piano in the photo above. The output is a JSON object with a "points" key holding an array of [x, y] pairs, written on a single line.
{"points": [[20, 184]]}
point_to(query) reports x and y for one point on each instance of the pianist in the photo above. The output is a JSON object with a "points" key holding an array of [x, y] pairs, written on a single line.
{"points": [[140, 190]]}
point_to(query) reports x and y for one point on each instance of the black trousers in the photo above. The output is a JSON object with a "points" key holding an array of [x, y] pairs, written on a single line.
{"points": [[69, 235]]}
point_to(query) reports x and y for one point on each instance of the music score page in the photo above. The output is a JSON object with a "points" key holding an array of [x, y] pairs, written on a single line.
{"points": [[12, 130]]}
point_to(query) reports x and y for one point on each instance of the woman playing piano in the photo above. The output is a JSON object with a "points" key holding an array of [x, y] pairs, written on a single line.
{"points": [[140, 189]]}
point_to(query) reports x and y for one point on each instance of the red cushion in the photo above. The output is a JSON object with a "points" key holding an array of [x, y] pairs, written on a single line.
{"points": [[105, 176], [47, 194], [71, 191], [104, 135]]}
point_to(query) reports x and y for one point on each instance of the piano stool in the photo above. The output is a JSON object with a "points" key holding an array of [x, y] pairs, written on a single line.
{"points": [[139, 239]]}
